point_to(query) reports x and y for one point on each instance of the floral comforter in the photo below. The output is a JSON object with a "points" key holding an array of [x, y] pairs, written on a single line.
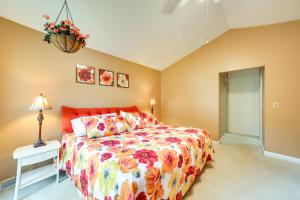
{"points": [[154, 163]]}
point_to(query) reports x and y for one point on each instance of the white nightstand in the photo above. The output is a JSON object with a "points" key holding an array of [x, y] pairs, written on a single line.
{"points": [[29, 155]]}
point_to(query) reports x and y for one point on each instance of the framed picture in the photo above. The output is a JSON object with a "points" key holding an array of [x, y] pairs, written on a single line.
{"points": [[85, 74], [122, 80], [106, 77]]}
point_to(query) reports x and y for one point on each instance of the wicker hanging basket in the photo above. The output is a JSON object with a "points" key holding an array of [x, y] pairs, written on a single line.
{"points": [[66, 43], [64, 35]]}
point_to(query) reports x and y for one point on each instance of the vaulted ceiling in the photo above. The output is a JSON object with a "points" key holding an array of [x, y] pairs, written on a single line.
{"points": [[154, 33]]}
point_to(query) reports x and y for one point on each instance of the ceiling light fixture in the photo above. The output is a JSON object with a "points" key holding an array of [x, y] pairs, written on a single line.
{"points": [[182, 3], [64, 35], [217, 1]]}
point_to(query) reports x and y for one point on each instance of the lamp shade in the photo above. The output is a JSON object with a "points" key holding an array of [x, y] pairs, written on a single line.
{"points": [[152, 102], [40, 103]]}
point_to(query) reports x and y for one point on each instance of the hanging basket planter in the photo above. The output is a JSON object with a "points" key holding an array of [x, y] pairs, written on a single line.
{"points": [[66, 43], [64, 35]]}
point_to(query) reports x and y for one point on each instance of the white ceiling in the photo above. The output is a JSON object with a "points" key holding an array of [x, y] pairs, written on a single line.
{"points": [[247, 13], [140, 31]]}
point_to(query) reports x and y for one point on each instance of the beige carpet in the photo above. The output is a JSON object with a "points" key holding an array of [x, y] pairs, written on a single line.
{"points": [[240, 172]]}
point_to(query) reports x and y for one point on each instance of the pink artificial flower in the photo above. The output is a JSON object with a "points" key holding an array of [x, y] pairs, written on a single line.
{"points": [[72, 31], [87, 36], [68, 22], [55, 30], [52, 24], [46, 17], [43, 42], [62, 28]]}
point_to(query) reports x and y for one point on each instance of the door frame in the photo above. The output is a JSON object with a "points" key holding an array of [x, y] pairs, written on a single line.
{"points": [[223, 92]]}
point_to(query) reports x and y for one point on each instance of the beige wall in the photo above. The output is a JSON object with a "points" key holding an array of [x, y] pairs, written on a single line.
{"points": [[190, 87], [27, 68]]}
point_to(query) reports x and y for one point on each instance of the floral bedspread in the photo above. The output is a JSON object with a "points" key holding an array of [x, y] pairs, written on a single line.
{"points": [[154, 163]]}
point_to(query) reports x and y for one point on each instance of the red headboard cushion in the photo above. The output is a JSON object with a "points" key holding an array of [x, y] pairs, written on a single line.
{"points": [[69, 113]]}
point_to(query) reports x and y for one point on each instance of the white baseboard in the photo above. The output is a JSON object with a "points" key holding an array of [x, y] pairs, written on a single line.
{"points": [[282, 157], [222, 138]]}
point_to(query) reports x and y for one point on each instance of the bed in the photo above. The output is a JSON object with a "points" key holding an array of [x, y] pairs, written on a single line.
{"points": [[157, 162]]}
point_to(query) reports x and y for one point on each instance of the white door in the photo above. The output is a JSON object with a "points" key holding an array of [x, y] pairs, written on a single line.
{"points": [[243, 102]]}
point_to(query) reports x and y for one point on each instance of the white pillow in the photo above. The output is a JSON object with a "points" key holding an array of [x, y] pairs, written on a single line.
{"points": [[78, 126], [123, 114]]}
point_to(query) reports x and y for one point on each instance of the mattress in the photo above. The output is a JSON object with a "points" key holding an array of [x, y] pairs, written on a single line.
{"points": [[160, 162]]}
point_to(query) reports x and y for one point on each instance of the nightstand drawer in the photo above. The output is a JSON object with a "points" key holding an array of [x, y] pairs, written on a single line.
{"points": [[38, 158]]}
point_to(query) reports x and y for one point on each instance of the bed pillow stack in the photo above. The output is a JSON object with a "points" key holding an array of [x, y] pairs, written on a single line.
{"points": [[140, 120], [110, 124], [78, 126], [121, 123], [149, 119], [134, 120], [100, 125]]}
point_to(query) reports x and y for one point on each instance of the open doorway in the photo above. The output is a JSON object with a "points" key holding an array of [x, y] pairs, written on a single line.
{"points": [[241, 105]]}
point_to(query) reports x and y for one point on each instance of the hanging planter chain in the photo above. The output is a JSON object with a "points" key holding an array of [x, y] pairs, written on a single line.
{"points": [[67, 12]]}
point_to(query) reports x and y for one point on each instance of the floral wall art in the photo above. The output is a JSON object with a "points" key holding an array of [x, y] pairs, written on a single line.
{"points": [[106, 77], [85, 74], [122, 80]]}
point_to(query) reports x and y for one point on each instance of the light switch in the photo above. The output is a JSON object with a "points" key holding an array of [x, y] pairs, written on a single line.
{"points": [[275, 104]]}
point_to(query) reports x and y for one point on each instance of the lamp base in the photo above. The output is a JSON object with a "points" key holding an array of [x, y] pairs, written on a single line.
{"points": [[39, 143]]}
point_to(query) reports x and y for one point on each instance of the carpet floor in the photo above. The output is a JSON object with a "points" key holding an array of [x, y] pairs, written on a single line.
{"points": [[240, 172]]}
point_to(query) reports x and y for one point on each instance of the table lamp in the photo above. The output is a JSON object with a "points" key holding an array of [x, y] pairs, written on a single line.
{"points": [[152, 104], [40, 103]]}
